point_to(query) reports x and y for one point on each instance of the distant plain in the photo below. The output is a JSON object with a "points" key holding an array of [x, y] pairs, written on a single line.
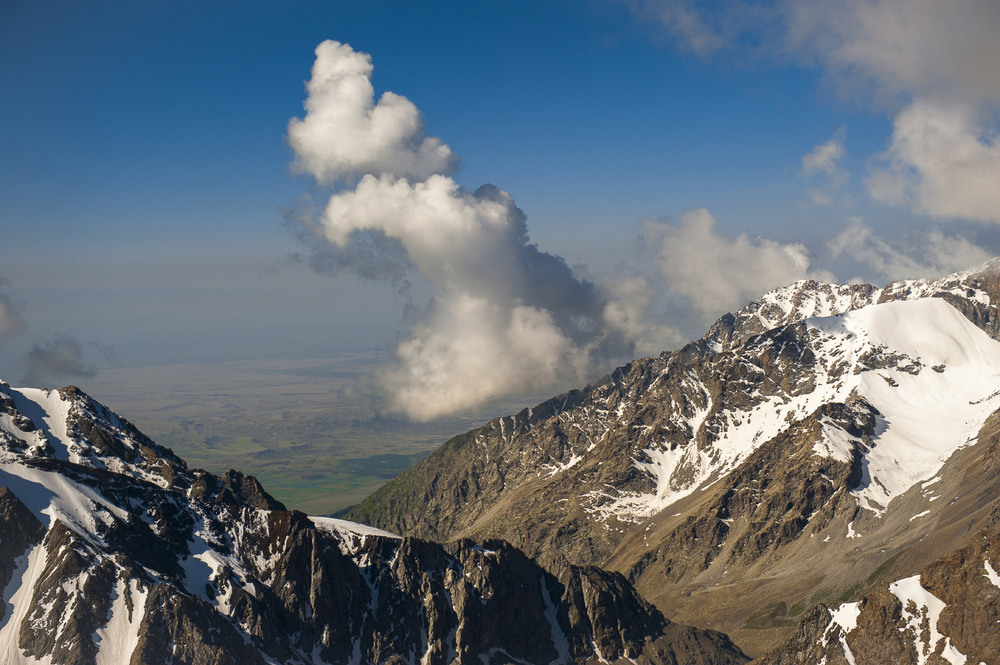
{"points": [[309, 429]]}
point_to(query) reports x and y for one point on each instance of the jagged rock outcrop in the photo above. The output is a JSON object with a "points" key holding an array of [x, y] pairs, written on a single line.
{"points": [[113, 550]]}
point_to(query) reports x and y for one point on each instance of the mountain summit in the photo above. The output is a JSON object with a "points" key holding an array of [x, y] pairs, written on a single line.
{"points": [[819, 440]]}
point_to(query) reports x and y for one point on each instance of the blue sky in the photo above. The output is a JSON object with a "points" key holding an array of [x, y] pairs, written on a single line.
{"points": [[661, 149]]}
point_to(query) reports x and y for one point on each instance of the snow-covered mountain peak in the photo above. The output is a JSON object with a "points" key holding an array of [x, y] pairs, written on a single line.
{"points": [[971, 289], [929, 330], [68, 425], [927, 370], [933, 377]]}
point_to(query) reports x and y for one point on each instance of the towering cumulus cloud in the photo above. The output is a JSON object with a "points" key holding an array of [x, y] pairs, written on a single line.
{"points": [[345, 133], [505, 316]]}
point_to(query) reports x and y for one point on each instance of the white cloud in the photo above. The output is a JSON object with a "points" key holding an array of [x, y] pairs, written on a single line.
{"points": [[345, 133], [469, 350], [718, 274], [505, 316], [941, 162], [929, 254], [933, 65], [824, 157], [901, 48]]}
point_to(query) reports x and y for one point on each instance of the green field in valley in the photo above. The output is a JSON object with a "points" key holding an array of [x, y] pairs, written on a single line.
{"points": [[310, 430]]}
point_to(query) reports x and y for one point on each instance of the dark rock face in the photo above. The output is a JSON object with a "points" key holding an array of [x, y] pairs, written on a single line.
{"points": [[62, 616], [21, 531], [139, 559], [782, 491]]}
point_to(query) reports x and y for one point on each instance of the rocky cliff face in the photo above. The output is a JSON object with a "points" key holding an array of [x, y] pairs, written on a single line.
{"points": [[114, 551], [786, 458]]}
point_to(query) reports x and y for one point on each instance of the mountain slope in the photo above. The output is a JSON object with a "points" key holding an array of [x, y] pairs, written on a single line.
{"points": [[817, 414], [949, 612], [114, 551]]}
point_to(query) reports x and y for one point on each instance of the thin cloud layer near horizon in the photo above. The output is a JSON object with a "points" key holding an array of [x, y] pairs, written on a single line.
{"points": [[504, 198]]}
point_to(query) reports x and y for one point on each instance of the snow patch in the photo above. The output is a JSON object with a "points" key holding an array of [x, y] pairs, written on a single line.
{"points": [[992, 574], [929, 415], [844, 618], [17, 596], [350, 535], [559, 639], [52, 496], [554, 469], [120, 636], [49, 413], [834, 442], [921, 610]]}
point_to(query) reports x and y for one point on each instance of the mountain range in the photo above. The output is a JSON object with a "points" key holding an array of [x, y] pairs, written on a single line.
{"points": [[814, 481], [819, 443], [113, 551]]}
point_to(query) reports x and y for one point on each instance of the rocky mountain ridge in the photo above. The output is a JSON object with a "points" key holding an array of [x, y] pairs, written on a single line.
{"points": [[816, 414], [114, 551]]}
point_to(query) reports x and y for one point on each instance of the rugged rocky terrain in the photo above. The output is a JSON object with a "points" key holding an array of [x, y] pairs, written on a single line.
{"points": [[818, 442], [113, 551], [947, 613]]}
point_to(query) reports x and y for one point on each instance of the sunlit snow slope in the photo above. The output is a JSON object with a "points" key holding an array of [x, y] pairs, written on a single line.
{"points": [[931, 374]]}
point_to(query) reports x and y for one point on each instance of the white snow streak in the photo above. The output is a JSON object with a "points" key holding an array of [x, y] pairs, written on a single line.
{"points": [[18, 596], [119, 638], [992, 574], [845, 618]]}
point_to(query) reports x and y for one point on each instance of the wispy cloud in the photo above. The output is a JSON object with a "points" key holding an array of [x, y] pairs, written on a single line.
{"points": [[926, 254], [11, 321], [57, 361], [505, 317], [821, 167], [718, 274]]}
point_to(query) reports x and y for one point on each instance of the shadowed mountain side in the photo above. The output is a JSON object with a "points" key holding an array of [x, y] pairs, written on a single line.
{"points": [[116, 551]]}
